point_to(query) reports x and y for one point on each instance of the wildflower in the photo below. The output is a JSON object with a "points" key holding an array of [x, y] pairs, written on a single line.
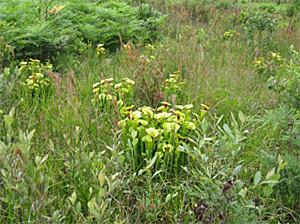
{"points": [[172, 126], [160, 109], [118, 85], [188, 107], [179, 107], [143, 122], [34, 60], [128, 81], [102, 96], [150, 47], [96, 84], [96, 90], [162, 116], [103, 81], [152, 132], [167, 147], [135, 115], [197, 118], [190, 125], [56, 9], [166, 104], [122, 123], [148, 111], [144, 59], [100, 49], [206, 108]]}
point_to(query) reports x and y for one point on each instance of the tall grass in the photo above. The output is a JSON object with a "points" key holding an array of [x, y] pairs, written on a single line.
{"points": [[75, 167]]}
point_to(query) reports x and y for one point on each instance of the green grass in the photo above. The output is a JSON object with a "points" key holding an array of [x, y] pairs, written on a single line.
{"points": [[240, 164]]}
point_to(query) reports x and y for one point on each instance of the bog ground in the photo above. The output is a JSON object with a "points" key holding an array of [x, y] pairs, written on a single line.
{"points": [[149, 111]]}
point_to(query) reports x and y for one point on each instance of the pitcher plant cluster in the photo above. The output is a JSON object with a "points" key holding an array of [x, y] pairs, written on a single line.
{"points": [[151, 133], [107, 90], [34, 70], [159, 133]]}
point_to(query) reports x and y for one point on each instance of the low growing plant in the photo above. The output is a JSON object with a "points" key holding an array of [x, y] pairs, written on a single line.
{"points": [[155, 137], [283, 75]]}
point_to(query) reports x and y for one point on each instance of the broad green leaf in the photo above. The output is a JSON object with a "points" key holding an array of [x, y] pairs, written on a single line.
{"points": [[257, 177], [78, 207], [168, 198], [133, 134], [135, 141], [282, 165], [101, 179], [242, 116], [268, 190], [275, 177], [237, 170], [228, 132], [8, 119], [72, 198]]}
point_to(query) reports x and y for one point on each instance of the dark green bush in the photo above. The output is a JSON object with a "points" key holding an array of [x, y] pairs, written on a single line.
{"points": [[35, 30]]}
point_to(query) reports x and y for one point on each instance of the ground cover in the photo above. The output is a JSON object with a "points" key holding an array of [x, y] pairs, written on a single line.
{"points": [[188, 115]]}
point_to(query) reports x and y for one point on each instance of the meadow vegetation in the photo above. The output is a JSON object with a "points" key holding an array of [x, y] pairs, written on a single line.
{"points": [[149, 111]]}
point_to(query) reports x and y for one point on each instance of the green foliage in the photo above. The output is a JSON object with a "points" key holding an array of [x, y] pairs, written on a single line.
{"points": [[6, 53], [43, 31], [34, 72], [97, 154], [107, 93], [284, 75], [259, 28], [155, 137]]}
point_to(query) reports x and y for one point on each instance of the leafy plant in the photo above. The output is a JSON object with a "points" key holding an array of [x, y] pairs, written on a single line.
{"points": [[44, 31], [155, 137], [6, 53], [284, 75], [37, 82], [260, 26]]}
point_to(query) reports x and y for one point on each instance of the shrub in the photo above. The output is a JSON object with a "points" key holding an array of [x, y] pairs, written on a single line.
{"points": [[283, 75], [6, 53], [41, 31]]}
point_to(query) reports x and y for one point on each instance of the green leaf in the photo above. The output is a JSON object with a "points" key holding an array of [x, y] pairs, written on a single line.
{"points": [[151, 162], [72, 198], [93, 207], [78, 207], [237, 170], [228, 132], [30, 135], [30, 169], [135, 141], [268, 190], [257, 177], [101, 179], [280, 160], [242, 117], [168, 198], [275, 177], [8, 119], [282, 165], [206, 179]]}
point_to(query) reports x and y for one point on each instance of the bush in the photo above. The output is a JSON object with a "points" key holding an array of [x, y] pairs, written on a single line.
{"points": [[284, 75], [41, 31]]}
